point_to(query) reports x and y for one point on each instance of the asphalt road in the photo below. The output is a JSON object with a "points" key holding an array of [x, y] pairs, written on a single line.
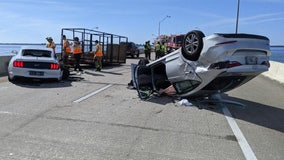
{"points": [[94, 116]]}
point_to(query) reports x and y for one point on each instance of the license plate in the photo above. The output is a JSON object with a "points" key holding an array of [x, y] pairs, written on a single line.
{"points": [[251, 60], [35, 73]]}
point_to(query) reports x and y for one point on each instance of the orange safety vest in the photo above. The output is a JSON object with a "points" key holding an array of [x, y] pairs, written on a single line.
{"points": [[99, 51], [67, 46], [77, 48]]}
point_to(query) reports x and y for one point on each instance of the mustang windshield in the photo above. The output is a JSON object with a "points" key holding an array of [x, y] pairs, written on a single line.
{"points": [[36, 53]]}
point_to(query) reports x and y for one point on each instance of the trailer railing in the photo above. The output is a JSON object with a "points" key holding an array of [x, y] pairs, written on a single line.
{"points": [[114, 51]]}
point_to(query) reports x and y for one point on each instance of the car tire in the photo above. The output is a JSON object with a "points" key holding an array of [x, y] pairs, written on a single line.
{"points": [[10, 79], [192, 45], [65, 73]]}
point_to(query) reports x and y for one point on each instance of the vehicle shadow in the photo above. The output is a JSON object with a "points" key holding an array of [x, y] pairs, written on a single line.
{"points": [[260, 114], [129, 57], [92, 71], [163, 100], [256, 113], [46, 83]]}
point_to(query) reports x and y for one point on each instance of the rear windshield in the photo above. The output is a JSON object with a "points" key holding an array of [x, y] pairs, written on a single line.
{"points": [[36, 53]]}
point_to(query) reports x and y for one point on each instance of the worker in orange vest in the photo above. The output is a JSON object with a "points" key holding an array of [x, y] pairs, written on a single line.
{"points": [[66, 49], [98, 56], [77, 52]]}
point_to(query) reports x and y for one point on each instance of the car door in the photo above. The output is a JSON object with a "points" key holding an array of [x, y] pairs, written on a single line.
{"points": [[142, 80]]}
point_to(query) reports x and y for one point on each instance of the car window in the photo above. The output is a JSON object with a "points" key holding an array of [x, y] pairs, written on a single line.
{"points": [[186, 86], [36, 53]]}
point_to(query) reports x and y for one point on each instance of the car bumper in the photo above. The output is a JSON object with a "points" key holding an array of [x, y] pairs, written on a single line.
{"points": [[34, 73]]}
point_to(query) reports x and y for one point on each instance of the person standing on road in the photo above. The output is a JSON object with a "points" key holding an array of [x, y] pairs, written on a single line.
{"points": [[77, 52], [50, 43], [66, 49], [98, 56], [163, 49], [158, 50], [147, 50]]}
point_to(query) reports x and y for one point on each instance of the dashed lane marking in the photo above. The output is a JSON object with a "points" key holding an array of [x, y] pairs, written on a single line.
{"points": [[92, 94], [10, 113]]}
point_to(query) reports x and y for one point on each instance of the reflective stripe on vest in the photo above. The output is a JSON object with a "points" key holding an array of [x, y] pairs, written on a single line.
{"points": [[158, 47], [99, 52], [67, 46], [68, 50], [163, 48], [77, 49]]}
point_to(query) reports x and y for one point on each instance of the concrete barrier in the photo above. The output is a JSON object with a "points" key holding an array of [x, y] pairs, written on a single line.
{"points": [[276, 71], [4, 61]]}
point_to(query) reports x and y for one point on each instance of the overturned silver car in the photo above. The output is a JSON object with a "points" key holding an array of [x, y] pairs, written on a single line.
{"points": [[205, 65]]}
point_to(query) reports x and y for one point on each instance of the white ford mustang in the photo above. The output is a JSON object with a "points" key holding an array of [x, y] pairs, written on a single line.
{"points": [[204, 66], [34, 62]]}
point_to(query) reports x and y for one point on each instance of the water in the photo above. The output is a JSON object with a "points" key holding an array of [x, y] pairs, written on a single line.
{"points": [[7, 49], [277, 53]]}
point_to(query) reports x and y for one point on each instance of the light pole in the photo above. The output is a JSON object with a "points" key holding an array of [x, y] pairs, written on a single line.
{"points": [[237, 20], [161, 22]]}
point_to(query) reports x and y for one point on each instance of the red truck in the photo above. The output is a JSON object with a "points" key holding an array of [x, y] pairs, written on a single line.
{"points": [[174, 42]]}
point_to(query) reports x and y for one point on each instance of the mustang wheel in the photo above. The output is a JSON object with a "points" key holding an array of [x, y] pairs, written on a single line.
{"points": [[65, 73], [10, 79], [192, 45]]}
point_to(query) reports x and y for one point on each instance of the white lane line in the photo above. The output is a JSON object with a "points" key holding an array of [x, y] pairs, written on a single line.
{"points": [[10, 113], [247, 151], [91, 94]]}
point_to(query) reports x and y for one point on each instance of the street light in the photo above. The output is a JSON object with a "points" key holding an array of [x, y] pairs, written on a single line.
{"points": [[161, 22], [237, 20]]}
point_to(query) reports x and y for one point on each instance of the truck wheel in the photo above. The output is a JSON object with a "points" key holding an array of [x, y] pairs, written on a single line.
{"points": [[192, 45]]}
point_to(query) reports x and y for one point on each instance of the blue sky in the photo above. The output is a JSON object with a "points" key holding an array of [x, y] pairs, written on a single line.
{"points": [[30, 21]]}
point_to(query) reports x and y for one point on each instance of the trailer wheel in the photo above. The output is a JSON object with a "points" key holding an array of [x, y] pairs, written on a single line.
{"points": [[192, 45]]}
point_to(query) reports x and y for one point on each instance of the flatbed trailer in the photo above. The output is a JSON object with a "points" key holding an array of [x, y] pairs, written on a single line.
{"points": [[114, 51]]}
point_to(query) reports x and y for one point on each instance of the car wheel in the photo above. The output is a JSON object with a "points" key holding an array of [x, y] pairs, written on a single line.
{"points": [[65, 73], [10, 79], [192, 45]]}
